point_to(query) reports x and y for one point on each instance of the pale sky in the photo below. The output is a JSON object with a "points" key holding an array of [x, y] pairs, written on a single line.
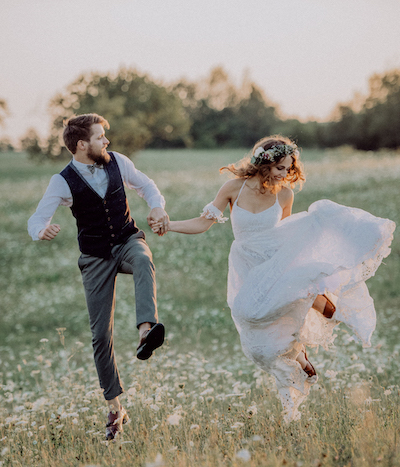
{"points": [[307, 55]]}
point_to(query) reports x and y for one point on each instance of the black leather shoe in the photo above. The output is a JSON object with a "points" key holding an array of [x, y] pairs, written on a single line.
{"points": [[151, 340], [114, 423]]}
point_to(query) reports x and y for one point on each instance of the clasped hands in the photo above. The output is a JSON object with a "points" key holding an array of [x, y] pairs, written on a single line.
{"points": [[158, 220]]}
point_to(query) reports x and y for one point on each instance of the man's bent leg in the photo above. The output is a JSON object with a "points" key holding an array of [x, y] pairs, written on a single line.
{"points": [[98, 276], [136, 257]]}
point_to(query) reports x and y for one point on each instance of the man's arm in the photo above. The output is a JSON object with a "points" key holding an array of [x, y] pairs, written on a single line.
{"points": [[137, 180], [146, 189], [57, 193]]}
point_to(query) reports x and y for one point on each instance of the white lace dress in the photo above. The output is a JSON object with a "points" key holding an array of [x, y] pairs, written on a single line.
{"points": [[278, 267]]}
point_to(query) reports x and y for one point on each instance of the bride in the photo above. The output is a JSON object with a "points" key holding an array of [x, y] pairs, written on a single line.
{"points": [[292, 278]]}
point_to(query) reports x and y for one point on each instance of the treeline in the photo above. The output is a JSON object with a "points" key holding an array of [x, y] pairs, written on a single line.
{"points": [[214, 113]]}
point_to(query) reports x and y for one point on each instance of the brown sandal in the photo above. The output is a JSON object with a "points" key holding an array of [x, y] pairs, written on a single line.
{"points": [[329, 308], [309, 369]]}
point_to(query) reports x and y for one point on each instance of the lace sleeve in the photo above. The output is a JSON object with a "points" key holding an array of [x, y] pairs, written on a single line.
{"points": [[211, 212]]}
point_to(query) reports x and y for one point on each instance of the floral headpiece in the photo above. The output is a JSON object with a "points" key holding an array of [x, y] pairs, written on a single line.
{"points": [[270, 155]]}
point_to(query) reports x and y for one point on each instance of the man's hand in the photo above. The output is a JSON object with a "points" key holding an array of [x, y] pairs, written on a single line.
{"points": [[49, 232], [159, 218], [159, 228]]}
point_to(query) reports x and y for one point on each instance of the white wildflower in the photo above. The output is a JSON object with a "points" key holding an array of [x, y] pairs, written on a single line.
{"points": [[237, 425], [331, 374], [244, 455], [387, 392], [173, 419], [158, 462], [369, 400], [131, 391]]}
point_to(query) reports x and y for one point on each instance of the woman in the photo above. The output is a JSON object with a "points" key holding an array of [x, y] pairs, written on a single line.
{"points": [[292, 278]]}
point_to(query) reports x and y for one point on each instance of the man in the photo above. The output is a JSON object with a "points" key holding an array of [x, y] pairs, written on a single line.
{"points": [[92, 185]]}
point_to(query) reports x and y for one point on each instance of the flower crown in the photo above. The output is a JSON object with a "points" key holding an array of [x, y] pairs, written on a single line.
{"points": [[270, 155]]}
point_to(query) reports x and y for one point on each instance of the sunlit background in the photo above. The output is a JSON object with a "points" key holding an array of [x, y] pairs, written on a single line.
{"points": [[307, 55]]}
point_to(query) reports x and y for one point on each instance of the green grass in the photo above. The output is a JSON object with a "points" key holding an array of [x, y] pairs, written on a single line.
{"points": [[226, 409]]}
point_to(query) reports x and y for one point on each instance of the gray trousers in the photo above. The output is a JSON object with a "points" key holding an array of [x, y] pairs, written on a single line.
{"points": [[99, 278]]}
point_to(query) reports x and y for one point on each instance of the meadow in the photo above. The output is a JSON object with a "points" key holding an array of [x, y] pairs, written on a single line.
{"points": [[198, 401]]}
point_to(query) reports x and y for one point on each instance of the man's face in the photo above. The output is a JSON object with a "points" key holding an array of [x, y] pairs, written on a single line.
{"points": [[97, 149]]}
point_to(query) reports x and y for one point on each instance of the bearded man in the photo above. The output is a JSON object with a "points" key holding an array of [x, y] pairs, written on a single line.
{"points": [[92, 185]]}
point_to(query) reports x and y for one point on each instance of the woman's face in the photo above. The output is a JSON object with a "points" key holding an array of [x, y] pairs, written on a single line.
{"points": [[280, 170]]}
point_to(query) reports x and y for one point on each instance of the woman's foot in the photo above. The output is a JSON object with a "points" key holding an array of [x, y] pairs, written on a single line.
{"points": [[306, 365], [324, 305]]}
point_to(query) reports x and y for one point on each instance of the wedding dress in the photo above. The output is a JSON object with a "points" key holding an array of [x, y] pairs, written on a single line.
{"points": [[278, 267]]}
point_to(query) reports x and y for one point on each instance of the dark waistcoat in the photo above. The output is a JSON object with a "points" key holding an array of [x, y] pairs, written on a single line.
{"points": [[102, 223]]}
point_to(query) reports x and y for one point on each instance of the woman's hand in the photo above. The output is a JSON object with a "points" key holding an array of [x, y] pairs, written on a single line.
{"points": [[160, 228], [158, 217]]}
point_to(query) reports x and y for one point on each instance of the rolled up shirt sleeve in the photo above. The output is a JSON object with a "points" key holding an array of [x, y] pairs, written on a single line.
{"points": [[137, 180], [57, 193]]}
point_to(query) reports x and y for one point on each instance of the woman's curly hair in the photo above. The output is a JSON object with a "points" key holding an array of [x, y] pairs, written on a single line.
{"points": [[246, 169]]}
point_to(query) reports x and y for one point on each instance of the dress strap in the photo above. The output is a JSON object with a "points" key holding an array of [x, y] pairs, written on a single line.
{"points": [[241, 188]]}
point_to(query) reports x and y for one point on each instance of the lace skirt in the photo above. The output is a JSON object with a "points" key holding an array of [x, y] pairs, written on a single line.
{"points": [[276, 274]]}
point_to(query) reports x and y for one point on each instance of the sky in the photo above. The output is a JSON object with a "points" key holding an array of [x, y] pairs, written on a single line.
{"points": [[306, 55]]}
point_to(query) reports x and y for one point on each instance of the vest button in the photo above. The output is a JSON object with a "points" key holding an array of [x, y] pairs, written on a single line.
{"points": [[113, 235], [108, 218], [111, 226], [107, 210], [111, 244], [104, 202]]}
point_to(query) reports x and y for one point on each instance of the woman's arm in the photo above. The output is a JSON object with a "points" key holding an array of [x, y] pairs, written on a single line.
{"points": [[212, 213], [191, 226], [286, 197]]}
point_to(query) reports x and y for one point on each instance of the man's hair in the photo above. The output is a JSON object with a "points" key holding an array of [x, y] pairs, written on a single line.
{"points": [[80, 128]]}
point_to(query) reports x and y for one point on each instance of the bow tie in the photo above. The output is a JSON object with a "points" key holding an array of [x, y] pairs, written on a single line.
{"points": [[95, 166]]}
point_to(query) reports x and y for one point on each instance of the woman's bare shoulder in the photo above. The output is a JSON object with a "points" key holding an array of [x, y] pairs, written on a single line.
{"points": [[286, 195], [229, 191], [233, 186]]}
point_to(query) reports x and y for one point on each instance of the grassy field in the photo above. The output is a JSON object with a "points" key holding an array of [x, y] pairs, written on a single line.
{"points": [[198, 401]]}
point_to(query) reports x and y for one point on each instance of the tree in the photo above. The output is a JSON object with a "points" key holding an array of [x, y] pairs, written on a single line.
{"points": [[139, 111], [223, 115], [255, 117], [3, 111], [32, 145], [373, 122], [381, 112]]}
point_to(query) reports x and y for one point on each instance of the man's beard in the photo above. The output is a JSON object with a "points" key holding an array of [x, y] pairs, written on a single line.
{"points": [[98, 157]]}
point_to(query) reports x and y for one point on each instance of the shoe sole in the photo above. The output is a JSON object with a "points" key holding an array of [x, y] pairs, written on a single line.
{"points": [[154, 339]]}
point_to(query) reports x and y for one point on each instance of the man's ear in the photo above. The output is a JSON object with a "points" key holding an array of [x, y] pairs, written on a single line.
{"points": [[81, 145]]}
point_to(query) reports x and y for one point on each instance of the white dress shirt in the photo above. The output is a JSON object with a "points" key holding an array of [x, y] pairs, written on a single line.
{"points": [[58, 191]]}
